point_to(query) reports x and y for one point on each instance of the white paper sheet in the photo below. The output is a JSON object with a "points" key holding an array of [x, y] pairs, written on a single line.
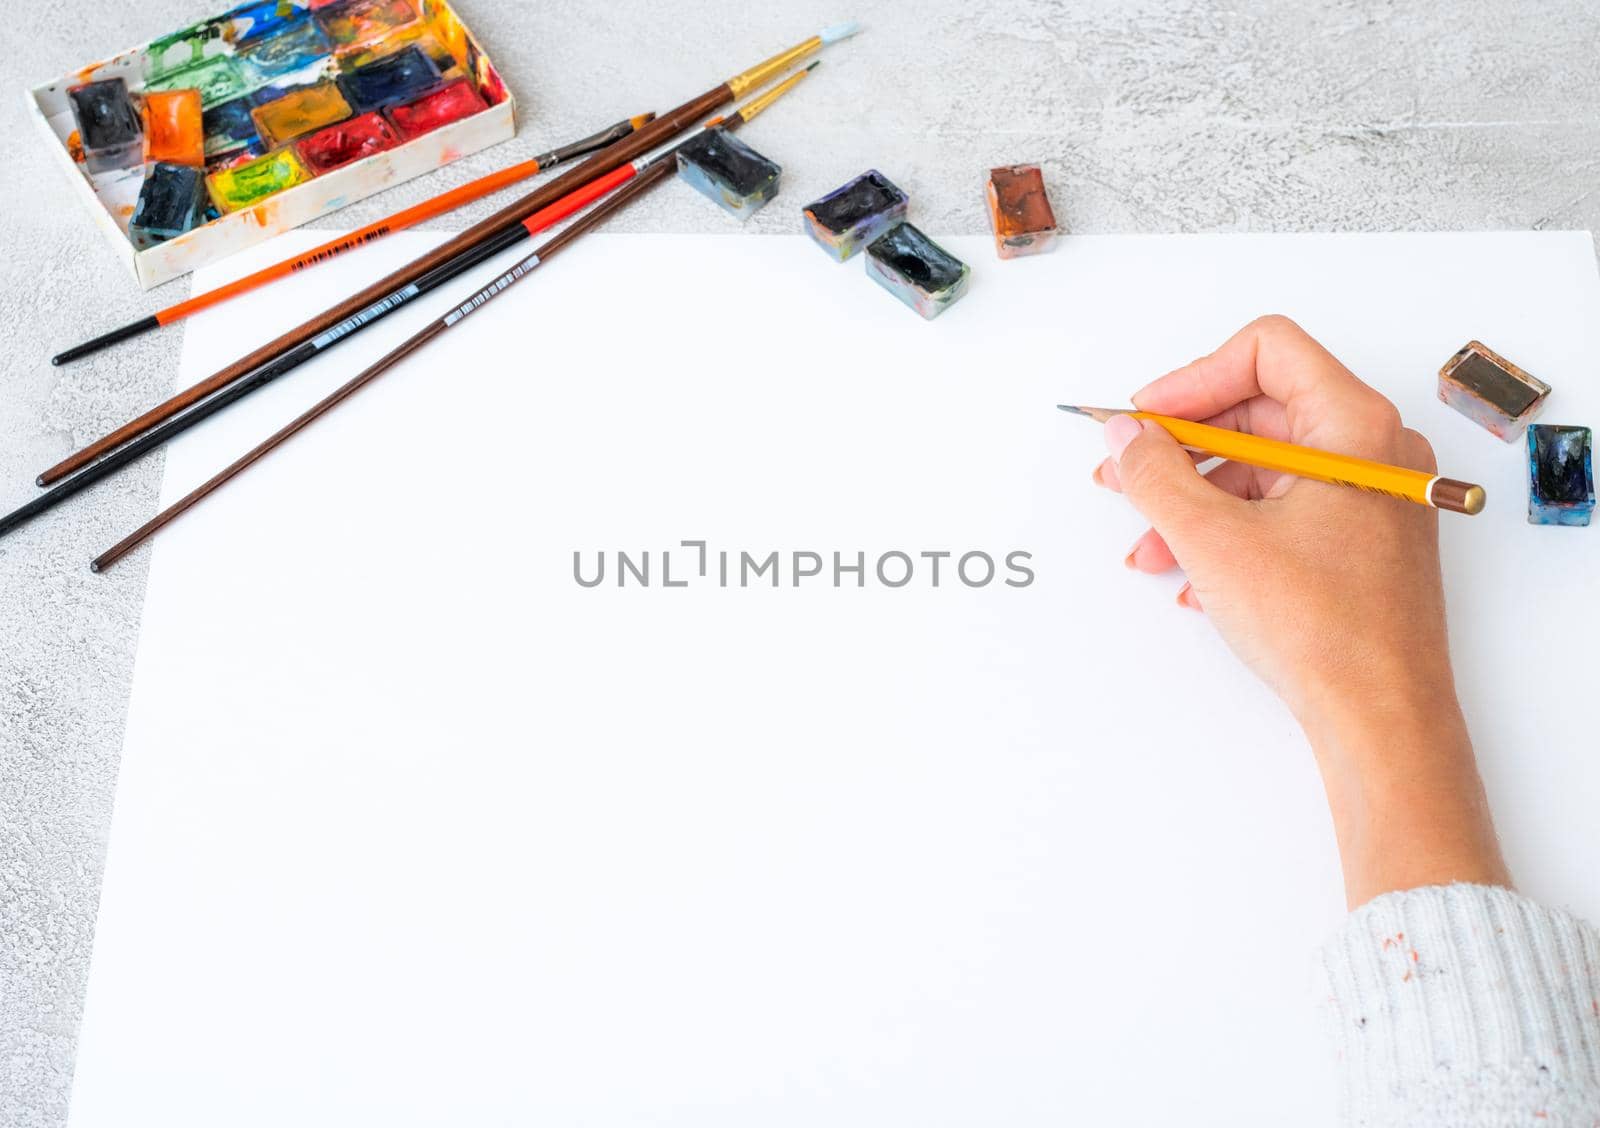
{"points": [[412, 829]]}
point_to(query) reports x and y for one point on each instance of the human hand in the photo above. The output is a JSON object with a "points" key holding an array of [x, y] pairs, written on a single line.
{"points": [[1333, 596]]}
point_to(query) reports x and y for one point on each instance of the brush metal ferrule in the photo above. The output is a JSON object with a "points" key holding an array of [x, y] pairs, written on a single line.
{"points": [[756, 105], [763, 73]]}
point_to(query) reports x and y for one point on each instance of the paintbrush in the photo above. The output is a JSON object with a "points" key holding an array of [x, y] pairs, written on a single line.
{"points": [[149, 440], [399, 221], [642, 141], [652, 170], [1307, 462]]}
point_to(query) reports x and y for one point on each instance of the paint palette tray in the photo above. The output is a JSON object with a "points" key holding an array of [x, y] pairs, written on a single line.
{"points": [[308, 105]]}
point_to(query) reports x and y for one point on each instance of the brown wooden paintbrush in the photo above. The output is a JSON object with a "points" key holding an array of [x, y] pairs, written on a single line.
{"points": [[360, 238], [651, 171], [665, 127]]}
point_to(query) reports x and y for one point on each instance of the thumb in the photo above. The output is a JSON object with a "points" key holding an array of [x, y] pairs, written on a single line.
{"points": [[1162, 482]]}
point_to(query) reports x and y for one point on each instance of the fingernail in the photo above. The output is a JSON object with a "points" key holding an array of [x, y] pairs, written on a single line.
{"points": [[1130, 560], [1120, 431], [1187, 598], [1098, 479]]}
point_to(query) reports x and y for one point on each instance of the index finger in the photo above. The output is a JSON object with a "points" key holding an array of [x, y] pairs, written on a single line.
{"points": [[1274, 357]]}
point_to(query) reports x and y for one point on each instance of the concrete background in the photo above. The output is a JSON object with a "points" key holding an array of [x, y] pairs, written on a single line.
{"points": [[1147, 115]]}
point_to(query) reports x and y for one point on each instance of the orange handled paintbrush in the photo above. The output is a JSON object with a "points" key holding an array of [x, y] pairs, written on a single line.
{"points": [[641, 141], [647, 171], [399, 221]]}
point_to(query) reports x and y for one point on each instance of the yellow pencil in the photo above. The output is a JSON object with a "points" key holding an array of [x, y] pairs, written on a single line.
{"points": [[1307, 462]]}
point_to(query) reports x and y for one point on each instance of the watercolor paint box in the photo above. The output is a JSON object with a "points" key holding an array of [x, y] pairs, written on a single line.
{"points": [[289, 63]]}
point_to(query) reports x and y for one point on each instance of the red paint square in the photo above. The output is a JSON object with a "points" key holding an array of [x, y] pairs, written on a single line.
{"points": [[338, 145], [445, 105]]}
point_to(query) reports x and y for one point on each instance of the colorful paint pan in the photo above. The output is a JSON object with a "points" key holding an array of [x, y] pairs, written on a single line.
{"points": [[917, 270], [172, 200], [174, 129], [181, 50], [353, 140], [445, 105], [218, 79], [1560, 475], [728, 172], [300, 112], [415, 35], [108, 125], [854, 214], [401, 77], [1491, 391], [229, 127], [295, 48], [1019, 211], [250, 23], [243, 185], [356, 23]]}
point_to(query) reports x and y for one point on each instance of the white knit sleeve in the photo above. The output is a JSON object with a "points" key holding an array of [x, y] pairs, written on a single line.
{"points": [[1465, 1005]]}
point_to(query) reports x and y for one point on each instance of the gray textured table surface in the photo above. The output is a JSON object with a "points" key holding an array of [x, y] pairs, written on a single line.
{"points": [[1148, 115]]}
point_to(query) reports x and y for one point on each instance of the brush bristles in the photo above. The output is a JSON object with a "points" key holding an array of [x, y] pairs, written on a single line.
{"points": [[839, 31]]}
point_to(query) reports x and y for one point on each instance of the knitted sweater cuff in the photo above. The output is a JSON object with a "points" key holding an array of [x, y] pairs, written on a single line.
{"points": [[1464, 998]]}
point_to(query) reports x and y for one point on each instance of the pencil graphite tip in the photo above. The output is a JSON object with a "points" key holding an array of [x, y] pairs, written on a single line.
{"points": [[1098, 414], [838, 31]]}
